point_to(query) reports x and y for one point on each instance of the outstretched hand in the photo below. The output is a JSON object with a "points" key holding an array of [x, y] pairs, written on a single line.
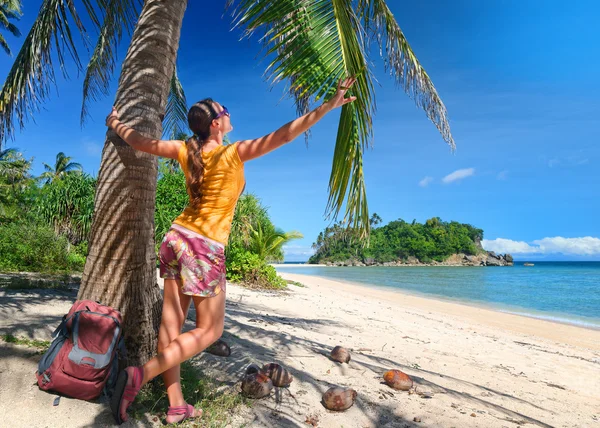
{"points": [[112, 116], [339, 99]]}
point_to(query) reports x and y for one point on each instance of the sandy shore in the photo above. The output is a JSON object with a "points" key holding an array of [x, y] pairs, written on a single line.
{"points": [[481, 368]]}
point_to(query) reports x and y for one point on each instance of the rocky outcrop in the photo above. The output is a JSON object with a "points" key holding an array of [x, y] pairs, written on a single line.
{"points": [[487, 258]]}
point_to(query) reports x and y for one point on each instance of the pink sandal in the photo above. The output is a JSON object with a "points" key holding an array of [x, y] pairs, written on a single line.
{"points": [[187, 411], [125, 392]]}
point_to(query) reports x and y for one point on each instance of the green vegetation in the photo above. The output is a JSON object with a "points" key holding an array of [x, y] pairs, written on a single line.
{"points": [[398, 240], [67, 204], [62, 167], [43, 228], [254, 242], [34, 247], [248, 268], [171, 198], [16, 184], [217, 401], [41, 345], [296, 283], [46, 221], [24, 281], [9, 10]]}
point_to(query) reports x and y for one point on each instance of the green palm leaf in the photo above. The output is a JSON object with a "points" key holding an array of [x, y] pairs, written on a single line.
{"points": [[403, 65], [9, 9], [28, 81], [119, 15], [268, 244], [13, 167], [313, 45], [62, 167], [7, 154], [175, 121]]}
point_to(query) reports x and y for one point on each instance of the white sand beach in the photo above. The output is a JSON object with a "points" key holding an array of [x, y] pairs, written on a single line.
{"points": [[479, 368]]}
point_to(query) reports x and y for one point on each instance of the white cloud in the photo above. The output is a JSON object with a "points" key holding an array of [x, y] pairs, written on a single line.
{"points": [[502, 175], [576, 246], [425, 181], [502, 246], [585, 246], [458, 175], [553, 162]]}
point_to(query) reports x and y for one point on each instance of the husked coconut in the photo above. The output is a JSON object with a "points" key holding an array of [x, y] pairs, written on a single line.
{"points": [[340, 354], [219, 348], [339, 399], [398, 380]]}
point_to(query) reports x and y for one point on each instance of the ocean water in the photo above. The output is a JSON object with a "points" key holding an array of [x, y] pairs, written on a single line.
{"points": [[559, 291]]}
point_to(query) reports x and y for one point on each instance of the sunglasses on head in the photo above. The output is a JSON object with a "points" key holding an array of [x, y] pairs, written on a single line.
{"points": [[223, 112]]}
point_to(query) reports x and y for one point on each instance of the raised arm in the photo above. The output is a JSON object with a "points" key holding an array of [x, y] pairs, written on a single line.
{"points": [[252, 149], [167, 149]]}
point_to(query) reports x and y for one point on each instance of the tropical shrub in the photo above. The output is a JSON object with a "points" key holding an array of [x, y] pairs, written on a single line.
{"points": [[67, 204], [30, 247], [171, 199], [251, 270]]}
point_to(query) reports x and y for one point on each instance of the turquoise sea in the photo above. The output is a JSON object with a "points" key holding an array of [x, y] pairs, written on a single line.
{"points": [[559, 291]]}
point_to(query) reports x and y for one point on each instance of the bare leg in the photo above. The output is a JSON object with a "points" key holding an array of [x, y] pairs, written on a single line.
{"points": [[175, 308], [210, 315]]}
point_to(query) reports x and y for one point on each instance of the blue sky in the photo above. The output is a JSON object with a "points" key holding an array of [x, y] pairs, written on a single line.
{"points": [[519, 80]]}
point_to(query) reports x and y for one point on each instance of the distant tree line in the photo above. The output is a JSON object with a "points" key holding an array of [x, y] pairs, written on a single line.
{"points": [[397, 240]]}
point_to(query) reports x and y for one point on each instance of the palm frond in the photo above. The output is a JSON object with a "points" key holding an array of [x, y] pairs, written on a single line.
{"points": [[119, 15], [13, 6], [403, 65], [5, 15], [175, 121], [314, 44], [10, 9], [294, 234], [4, 45], [28, 81], [8, 153], [72, 166]]}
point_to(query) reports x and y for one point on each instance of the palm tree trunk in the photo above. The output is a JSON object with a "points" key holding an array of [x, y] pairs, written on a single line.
{"points": [[120, 270]]}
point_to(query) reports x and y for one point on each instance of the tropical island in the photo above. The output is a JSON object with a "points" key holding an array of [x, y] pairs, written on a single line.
{"points": [[399, 243]]}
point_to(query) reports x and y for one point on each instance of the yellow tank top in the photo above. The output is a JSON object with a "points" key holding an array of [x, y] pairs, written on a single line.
{"points": [[222, 185]]}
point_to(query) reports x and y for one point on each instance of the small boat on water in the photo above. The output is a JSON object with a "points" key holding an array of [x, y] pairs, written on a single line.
{"points": [[528, 264]]}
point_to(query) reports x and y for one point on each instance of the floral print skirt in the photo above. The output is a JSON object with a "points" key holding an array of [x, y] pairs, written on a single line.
{"points": [[199, 262]]}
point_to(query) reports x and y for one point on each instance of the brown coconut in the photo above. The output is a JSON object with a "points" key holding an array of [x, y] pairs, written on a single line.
{"points": [[256, 385], [341, 355], [279, 375], [219, 348], [398, 380], [339, 399]]}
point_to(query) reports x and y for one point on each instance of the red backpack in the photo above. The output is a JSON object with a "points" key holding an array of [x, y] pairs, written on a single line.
{"points": [[82, 359]]}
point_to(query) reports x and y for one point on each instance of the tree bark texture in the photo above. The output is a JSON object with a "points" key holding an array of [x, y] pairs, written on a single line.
{"points": [[120, 270]]}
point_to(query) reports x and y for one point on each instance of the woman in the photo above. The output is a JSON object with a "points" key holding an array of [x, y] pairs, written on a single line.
{"points": [[192, 259]]}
